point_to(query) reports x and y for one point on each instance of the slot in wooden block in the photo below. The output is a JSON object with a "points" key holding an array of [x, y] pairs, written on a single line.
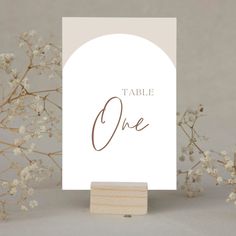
{"points": [[119, 198]]}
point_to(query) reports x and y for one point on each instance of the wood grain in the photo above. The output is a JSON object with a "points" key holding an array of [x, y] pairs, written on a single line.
{"points": [[119, 198]]}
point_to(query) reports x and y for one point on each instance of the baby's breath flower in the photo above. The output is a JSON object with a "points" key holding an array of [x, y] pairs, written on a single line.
{"points": [[207, 153], [190, 172], [47, 47], [232, 196], [33, 203], [229, 165], [219, 179], [209, 170], [17, 151], [15, 182], [5, 184], [42, 128], [14, 72], [190, 194], [23, 208], [17, 141], [22, 129], [12, 190], [199, 172], [36, 52]]}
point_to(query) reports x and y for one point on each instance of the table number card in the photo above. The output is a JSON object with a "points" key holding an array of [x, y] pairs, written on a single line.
{"points": [[119, 101]]}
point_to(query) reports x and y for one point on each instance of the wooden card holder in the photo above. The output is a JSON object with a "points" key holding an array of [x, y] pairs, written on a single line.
{"points": [[119, 198]]}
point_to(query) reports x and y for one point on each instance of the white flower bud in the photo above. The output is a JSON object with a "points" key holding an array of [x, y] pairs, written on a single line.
{"points": [[23, 208], [219, 179], [232, 196], [22, 129]]}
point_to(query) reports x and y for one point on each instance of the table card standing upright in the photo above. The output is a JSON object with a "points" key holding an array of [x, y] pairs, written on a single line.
{"points": [[119, 110]]}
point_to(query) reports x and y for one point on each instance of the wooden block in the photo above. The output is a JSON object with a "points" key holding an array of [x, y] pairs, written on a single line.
{"points": [[119, 198]]}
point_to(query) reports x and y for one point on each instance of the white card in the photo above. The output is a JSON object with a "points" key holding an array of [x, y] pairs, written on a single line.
{"points": [[119, 101]]}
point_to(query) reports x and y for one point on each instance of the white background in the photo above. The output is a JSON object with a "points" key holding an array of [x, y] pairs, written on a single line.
{"points": [[97, 71]]}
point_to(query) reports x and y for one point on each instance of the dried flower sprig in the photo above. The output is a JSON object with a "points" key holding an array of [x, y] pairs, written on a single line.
{"points": [[29, 111], [203, 162]]}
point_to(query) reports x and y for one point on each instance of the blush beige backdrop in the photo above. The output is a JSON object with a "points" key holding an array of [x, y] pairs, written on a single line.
{"points": [[206, 72]]}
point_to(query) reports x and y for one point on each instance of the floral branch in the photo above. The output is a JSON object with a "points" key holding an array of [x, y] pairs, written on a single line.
{"points": [[29, 114], [203, 162]]}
